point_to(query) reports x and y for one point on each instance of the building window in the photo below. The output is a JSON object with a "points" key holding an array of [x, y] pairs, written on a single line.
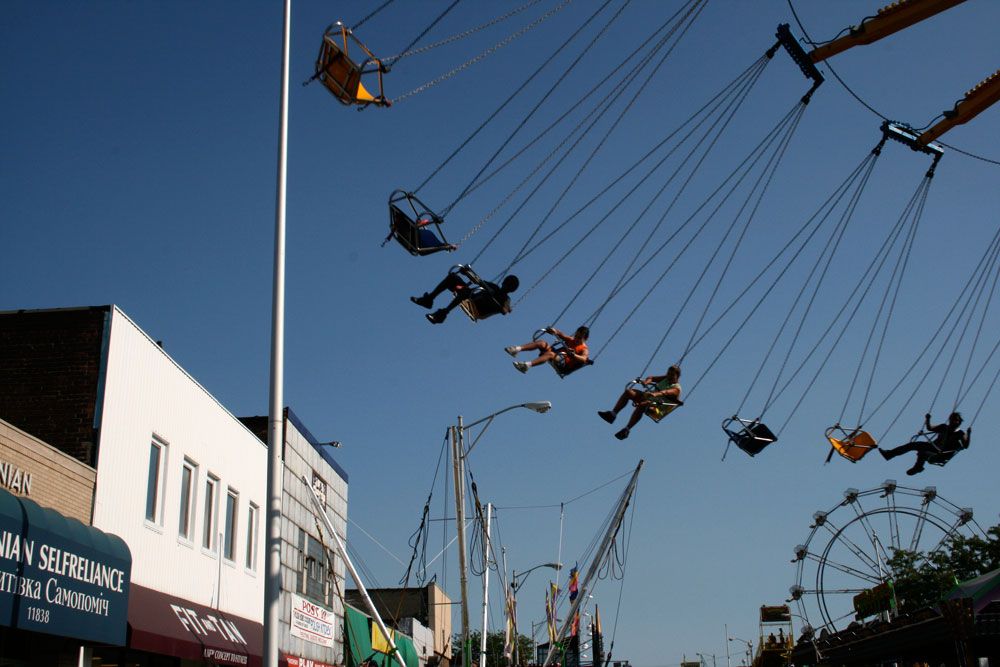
{"points": [[154, 481], [315, 577], [229, 538], [251, 561], [211, 504], [185, 524]]}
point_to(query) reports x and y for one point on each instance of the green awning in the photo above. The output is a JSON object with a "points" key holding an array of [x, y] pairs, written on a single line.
{"points": [[73, 579], [358, 635]]}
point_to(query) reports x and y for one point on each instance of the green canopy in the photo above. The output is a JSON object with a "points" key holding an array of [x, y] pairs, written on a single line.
{"points": [[358, 634]]}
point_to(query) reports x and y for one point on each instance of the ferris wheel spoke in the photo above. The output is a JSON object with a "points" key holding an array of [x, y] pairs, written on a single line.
{"points": [[841, 618], [880, 552], [838, 535], [842, 591], [918, 528], [847, 569], [894, 538], [944, 538]]}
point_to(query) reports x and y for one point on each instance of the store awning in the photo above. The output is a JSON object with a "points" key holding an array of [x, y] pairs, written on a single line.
{"points": [[168, 625], [60, 576]]}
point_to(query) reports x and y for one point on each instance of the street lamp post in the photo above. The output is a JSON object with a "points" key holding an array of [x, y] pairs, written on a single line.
{"points": [[703, 657], [749, 648], [514, 588], [458, 454]]}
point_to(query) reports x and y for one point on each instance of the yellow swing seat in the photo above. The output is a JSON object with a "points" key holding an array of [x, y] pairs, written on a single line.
{"points": [[341, 75], [852, 444], [659, 408]]}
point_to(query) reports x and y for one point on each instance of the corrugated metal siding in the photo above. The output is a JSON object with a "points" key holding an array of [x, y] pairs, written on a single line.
{"points": [[302, 459], [147, 394]]}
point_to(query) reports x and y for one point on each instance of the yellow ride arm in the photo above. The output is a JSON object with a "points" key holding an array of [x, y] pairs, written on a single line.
{"points": [[890, 19]]}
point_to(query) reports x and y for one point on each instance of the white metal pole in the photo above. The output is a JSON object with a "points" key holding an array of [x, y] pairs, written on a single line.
{"points": [[275, 436], [458, 459], [486, 584], [321, 511]]}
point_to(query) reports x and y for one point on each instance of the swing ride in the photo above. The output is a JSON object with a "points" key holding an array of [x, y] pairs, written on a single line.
{"points": [[842, 556]]}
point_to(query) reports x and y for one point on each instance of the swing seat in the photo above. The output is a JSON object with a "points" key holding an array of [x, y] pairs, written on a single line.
{"points": [[852, 444], [658, 409], [940, 457], [560, 363], [341, 75], [481, 304], [413, 230], [752, 436]]}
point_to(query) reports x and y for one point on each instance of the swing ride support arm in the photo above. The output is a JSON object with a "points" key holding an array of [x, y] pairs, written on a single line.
{"points": [[890, 19], [801, 58], [981, 97], [595, 563], [906, 136]]}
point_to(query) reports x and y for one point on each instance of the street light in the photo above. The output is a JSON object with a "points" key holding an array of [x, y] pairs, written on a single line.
{"points": [[703, 658], [515, 586], [458, 455], [749, 648]]}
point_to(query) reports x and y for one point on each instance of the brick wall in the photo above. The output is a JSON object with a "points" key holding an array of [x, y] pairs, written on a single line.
{"points": [[57, 480], [50, 365]]}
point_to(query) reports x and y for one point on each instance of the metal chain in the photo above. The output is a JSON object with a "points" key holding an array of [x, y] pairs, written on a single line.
{"points": [[460, 36], [496, 47]]}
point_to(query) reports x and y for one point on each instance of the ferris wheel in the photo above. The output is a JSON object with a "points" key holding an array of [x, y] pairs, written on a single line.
{"points": [[849, 546]]}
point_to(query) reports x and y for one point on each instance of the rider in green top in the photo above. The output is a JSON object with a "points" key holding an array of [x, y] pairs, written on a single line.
{"points": [[665, 389]]}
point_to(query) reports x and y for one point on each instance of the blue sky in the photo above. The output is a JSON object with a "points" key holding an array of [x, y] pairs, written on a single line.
{"points": [[140, 144]]}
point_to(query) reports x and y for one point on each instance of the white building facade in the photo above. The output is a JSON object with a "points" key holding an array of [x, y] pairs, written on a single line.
{"points": [[179, 478]]}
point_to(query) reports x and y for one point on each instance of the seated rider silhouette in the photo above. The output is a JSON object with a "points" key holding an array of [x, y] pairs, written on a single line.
{"points": [[948, 438], [486, 298], [573, 354], [666, 389]]}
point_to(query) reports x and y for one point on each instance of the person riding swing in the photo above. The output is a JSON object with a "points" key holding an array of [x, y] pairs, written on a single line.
{"points": [[479, 298], [662, 390], [948, 439], [573, 353]]}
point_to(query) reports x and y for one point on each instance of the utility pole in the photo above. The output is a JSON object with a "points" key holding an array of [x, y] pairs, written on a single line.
{"points": [[458, 470]]}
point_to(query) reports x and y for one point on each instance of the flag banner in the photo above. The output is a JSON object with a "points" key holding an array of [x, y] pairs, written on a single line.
{"points": [[510, 637], [550, 611], [574, 583]]}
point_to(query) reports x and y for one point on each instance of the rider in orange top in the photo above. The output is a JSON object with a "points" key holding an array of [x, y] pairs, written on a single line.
{"points": [[574, 354]]}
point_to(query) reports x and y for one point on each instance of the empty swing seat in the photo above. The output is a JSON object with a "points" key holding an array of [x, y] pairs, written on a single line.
{"points": [[851, 444], [411, 223], [341, 75], [752, 436]]}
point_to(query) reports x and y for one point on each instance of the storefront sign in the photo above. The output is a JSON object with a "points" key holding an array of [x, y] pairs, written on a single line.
{"points": [[312, 622], [170, 625], [14, 479], [59, 576], [295, 661]]}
